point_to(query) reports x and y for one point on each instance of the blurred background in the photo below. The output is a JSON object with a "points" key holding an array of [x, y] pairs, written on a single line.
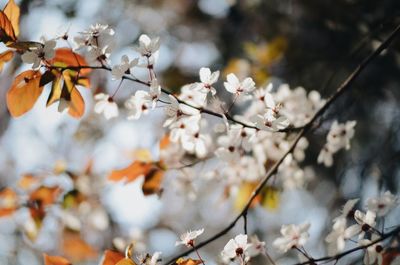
{"points": [[314, 44]]}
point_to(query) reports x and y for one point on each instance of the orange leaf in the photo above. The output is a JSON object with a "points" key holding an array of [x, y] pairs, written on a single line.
{"points": [[12, 12], [8, 202], [27, 181], [75, 249], [40, 199], [152, 181], [189, 261], [111, 257], [132, 172], [126, 261], [76, 103], [24, 92], [55, 260], [66, 57], [7, 34], [5, 57], [164, 142]]}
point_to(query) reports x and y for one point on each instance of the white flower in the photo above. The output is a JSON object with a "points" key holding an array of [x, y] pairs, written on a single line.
{"points": [[188, 238], [96, 37], [147, 47], [183, 126], [383, 204], [270, 121], [337, 238], [293, 236], [236, 247], [234, 86], [207, 80], [138, 104], [364, 223], [347, 208], [325, 156], [147, 259], [99, 54], [175, 111], [193, 96], [340, 135], [37, 54], [196, 143], [257, 247], [373, 253], [118, 71], [106, 105]]}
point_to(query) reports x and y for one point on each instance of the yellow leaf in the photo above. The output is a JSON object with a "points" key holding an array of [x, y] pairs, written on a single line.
{"points": [[55, 260], [12, 11], [5, 57], [24, 92], [8, 202], [270, 197]]}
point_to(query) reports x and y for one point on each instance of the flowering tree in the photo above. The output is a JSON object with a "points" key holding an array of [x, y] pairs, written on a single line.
{"points": [[248, 139]]}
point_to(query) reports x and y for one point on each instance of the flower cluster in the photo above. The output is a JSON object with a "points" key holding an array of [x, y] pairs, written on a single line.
{"points": [[338, 138], [364, 227]]}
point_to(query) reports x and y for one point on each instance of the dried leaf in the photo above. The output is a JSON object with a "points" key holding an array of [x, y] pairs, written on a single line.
{"points": [[27, 181], [55, 260], [8, 202], [75, 249], [153, 173], [12, 12], [132, 172], [24, 45], [189, 261], [126, 261], [152, 181], [40, 199], [24, 92], [46, 78], [5, 57], [111, 257], [7, 33]]}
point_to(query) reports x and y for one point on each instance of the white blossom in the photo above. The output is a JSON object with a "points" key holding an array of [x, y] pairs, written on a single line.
{"points": [[106, 105], [207, 80], [235, 86], [383, 204], [175, 111], [188, 238], [193, 96], [373, 253], [292, 236], [98, 36], [236, 247], [147, 259], [270, 121], [119, 70], [257, 247], [365, 221], [43, 52], [147, 46]]}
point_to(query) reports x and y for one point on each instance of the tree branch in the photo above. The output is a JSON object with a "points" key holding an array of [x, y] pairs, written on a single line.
{"points": [[340, 90], [347, 252]]}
